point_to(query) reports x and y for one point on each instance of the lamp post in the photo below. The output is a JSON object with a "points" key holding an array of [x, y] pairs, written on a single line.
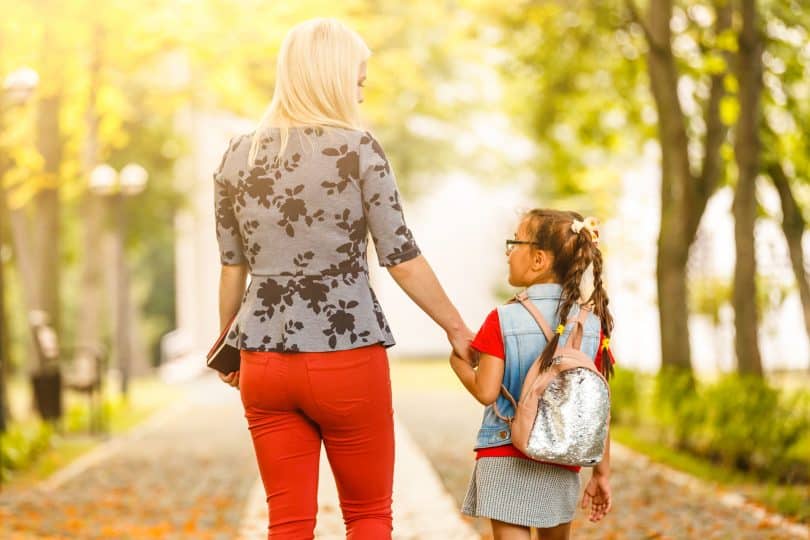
{"points": [[18, 88], [114, 186]]}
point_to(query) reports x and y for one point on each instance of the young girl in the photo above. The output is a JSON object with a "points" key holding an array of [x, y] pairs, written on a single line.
{"points": [[554, 254]]}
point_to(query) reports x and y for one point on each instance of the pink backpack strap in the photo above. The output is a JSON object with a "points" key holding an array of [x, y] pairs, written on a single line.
{"points": [[523, 298], [575, 338]]}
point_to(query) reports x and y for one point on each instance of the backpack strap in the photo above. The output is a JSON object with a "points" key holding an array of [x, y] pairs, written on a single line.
{"points": [[575, 338], [496, 410], [523, 298]]}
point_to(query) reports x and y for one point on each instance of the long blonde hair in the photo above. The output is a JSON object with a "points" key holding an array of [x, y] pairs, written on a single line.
{"points": [[316, 79]]}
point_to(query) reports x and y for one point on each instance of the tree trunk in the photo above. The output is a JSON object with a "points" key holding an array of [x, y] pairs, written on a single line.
{"points": [[683, 194], [673, 245], [793, 225], [47, 213], [88, 325], [746, 153], [25, 259], [5, 342]]}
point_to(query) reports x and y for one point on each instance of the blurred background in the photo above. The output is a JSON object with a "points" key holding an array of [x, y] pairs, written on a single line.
{"points": [[682, 125]]}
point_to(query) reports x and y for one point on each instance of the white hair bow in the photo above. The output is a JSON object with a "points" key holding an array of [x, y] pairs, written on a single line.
{"points": [[586, 285], [591, 224]]}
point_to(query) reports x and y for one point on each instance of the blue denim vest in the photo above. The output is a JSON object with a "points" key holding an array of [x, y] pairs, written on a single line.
{"points": [[523, 342]]}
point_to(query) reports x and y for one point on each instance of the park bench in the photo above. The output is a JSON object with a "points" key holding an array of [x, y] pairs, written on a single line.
{"points": [[78, 369]]}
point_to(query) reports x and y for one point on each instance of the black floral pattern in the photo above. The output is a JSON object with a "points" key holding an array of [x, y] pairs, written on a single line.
{"points": [[302, 223]]}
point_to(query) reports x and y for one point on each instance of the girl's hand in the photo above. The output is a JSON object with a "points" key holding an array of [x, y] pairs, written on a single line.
{"points": [[597, 495], [231, 378]]}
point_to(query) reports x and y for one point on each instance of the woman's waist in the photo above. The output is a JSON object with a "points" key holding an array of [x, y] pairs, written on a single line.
{"points": [[338, 271]]}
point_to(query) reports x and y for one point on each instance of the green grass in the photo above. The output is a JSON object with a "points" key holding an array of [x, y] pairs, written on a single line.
{"points": [[423, 374], [633, 437], [70, 438], [789, 500]]}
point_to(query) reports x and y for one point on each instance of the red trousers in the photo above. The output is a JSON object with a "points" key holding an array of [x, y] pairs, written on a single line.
{"points": [[293, 401]]}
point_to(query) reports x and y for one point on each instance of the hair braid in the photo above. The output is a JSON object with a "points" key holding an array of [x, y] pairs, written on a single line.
{"points": [[573, 253]]}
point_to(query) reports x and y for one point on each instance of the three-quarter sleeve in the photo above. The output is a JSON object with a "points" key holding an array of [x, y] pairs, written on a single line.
{"points": [[227, 226], [392, 238]]}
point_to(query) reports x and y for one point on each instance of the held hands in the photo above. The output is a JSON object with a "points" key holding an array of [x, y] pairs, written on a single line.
{"points": [[597, 495], [461, 340], [231, 378]]}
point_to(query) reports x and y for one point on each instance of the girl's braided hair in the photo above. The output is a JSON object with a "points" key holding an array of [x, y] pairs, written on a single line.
{"points": [[573, 252]]}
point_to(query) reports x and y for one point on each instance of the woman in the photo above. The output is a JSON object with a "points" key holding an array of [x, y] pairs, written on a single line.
{"points": [[295, 201]]}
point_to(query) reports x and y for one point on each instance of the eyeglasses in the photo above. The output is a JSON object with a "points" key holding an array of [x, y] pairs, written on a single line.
{"points": [[511, 244]]}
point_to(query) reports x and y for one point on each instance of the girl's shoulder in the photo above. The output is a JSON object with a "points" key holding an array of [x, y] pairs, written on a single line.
{"points": [[515, 318]]}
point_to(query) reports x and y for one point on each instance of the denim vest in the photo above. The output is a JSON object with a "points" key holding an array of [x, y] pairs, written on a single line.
{"points": [[523, 342]]}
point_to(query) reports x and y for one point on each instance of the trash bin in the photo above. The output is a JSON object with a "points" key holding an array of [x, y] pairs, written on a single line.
{"points": [[47, 384]]}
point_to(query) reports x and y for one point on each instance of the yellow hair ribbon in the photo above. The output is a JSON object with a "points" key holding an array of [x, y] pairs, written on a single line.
{"points": [[561, 329], [605, 342]]}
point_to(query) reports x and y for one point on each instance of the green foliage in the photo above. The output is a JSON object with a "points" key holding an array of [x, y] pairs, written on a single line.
{"points": [[750, 425], [709, 295], [21, 443], [577, 85], [675, 406], [741, 422], [624, 396]]}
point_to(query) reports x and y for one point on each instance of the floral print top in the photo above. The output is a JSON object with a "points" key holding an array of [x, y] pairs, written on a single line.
{"points": [[301, 225]]}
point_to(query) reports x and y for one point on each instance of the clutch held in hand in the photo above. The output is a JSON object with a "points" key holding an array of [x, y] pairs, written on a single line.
{"points": [[223, 357]]}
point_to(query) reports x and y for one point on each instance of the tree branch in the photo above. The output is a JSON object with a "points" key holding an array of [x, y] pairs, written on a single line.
{"points": [[792, 217], [716, 131], [636, 17]]}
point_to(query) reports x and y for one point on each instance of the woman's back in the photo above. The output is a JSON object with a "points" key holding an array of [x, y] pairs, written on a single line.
{"points": [[301, 224]]}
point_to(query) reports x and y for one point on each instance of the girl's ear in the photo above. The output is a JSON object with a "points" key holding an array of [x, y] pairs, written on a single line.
{"points": [[541, 261]]}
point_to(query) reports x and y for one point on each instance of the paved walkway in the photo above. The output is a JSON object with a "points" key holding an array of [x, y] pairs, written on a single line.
{"points": [[182, 475], [190, 473], [649, 500], [422, 507]]}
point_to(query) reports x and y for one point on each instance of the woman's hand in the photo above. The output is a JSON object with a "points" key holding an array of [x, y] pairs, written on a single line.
{"points": [[597, 496], [461, 341], [231, 378]]}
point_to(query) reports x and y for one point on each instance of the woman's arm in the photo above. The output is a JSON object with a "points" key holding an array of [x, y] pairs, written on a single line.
{"points": [[483, 383], [417, 279], [232, 282]]}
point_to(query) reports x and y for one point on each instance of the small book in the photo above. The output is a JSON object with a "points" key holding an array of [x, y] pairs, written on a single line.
{"points": [[223, 357]]}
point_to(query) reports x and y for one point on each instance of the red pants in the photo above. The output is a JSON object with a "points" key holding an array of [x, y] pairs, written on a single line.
{"points": [[293, 401]]}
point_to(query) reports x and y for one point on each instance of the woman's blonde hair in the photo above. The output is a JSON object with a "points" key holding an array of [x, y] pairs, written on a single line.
{"points": [[316, 79]]}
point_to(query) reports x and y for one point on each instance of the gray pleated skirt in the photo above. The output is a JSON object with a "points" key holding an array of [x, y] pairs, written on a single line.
{"points": [[522, 492]]}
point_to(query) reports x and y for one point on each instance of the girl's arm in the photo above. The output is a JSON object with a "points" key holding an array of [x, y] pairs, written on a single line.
{"points": [[597, 494], [603, 468], [483, 383]]}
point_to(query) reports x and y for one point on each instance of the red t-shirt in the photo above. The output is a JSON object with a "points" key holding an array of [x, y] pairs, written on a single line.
{"points": [[490, 341]]}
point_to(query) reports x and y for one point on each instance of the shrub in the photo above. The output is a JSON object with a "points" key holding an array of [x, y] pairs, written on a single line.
{"points": [[21, 443], [751, 425], [624, 396], [676, 406]]}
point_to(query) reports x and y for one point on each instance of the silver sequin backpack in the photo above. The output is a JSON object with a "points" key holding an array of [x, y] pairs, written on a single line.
{"points": [[563, 413]]}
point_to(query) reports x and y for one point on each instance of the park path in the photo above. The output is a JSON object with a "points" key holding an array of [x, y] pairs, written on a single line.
{"points": [[190, 473], [649, 500]]}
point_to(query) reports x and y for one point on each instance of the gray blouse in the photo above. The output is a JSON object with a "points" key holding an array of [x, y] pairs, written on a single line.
{"points": [[302, 227]]}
